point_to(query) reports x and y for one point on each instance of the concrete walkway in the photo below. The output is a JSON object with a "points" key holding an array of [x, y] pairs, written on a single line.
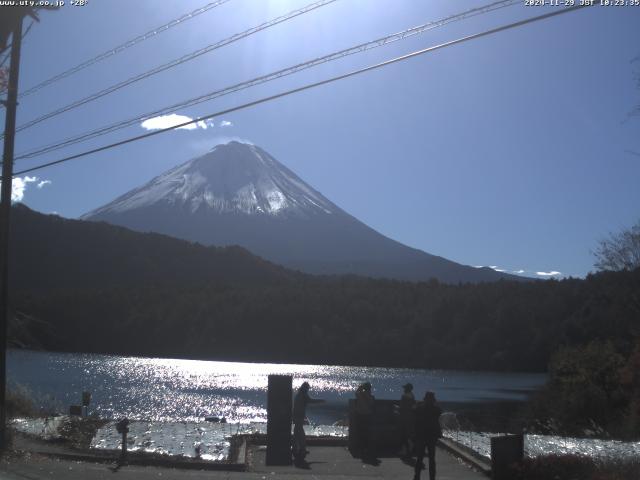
{"points": [[337, 462], [331, 463]]}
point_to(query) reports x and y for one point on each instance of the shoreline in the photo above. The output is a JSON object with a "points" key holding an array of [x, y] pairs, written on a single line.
{"points": [[174, 441], [254, 361]]}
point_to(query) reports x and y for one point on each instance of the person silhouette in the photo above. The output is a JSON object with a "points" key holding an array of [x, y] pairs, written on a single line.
{"points": [[428, 431], [364, 413], [300, 402], [407, 413]]}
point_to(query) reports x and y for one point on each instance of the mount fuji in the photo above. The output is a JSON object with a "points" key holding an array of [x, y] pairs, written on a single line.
{"points": [[238, 194]]}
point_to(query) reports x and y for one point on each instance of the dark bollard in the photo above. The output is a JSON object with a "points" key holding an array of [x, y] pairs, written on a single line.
{"points": [[505, 452], [86, 400], [75, 410], [279, 403], [123, 427]]}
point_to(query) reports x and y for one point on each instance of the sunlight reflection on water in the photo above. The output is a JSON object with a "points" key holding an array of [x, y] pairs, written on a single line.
{"points": [[159, 389], [182, 438], [536, 445]]}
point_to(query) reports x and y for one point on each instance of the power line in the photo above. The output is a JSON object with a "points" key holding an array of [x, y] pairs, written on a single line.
{"points": [[173, 63], [120, 48], [310, 86], [271, 76], [3, 61]]}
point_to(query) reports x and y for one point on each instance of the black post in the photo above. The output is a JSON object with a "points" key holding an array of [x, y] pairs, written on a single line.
{"points": [[279, 403], [506, 451], [5, 213], [123, 454]]}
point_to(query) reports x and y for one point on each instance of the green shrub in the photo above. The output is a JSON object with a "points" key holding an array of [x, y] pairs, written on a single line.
{"points": [[592, 390], [19, 403], [22, 402]]}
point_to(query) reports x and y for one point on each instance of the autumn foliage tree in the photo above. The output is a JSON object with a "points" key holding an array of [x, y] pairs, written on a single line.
{"points": [[4, 78]]}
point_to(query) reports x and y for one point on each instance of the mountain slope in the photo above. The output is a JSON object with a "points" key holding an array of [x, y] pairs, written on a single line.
{"points": [[50, 252], [238, 194]]}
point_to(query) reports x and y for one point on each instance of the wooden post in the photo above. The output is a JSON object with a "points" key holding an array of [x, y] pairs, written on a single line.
{"points": [[5, 214]]}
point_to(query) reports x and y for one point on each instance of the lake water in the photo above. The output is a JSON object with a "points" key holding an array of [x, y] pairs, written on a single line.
{"points": [[173, 390], [536, 445], [167, 400]]}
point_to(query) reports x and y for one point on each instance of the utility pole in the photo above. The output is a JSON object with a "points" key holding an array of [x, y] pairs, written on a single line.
{"points": [[5, 212]]}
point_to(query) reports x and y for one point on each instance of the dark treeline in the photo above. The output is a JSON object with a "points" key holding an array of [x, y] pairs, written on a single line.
{"points": [[346, 320]]}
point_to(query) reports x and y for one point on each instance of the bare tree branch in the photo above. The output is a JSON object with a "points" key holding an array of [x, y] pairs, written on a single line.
{"points": [[621, 251]]}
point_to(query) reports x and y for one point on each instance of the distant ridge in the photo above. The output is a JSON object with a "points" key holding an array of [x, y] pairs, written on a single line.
{"points": [[50, 252], [238, 194]]}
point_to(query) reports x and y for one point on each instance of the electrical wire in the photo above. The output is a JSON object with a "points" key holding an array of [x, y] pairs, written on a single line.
{"points": [[8, 54], [268, 77], [310, 86], [120, 48], [4, 60], [173, 63]]}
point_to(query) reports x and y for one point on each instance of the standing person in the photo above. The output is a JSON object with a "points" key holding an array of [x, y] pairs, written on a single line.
{"points": [[407, 420], [428, 432], [364, 414], [300, 402]]}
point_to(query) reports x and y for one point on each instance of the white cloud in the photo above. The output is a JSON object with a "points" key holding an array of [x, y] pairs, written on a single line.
{"points": [[173, 119], [222, 139], [42, 183], [520, 271], [226, 123], [492, 267], [19, 186], [495, 267], [552, 273], [202, 145]]}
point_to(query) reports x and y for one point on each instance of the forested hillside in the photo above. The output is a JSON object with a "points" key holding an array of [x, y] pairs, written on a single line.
{"points": [[51, 252], [502, 326], [83, 286]]}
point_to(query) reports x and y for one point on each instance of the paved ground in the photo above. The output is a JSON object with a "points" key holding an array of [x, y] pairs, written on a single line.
{"points": [[330, 463], [337, 462]]}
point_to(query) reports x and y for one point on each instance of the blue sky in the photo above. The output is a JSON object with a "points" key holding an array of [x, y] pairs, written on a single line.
{"points": [[515, 150]]}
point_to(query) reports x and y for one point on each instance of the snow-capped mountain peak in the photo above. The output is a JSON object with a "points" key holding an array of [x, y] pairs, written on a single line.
{"points": [[231, 178], [238, 194]]}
